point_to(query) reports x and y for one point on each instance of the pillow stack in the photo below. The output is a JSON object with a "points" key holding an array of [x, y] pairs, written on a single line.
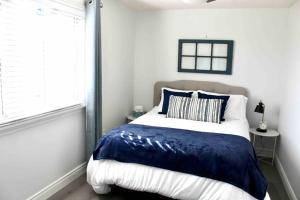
{"points": [[202, 106], [236, 105]]}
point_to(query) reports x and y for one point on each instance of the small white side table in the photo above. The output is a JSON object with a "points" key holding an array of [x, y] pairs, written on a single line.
{"points": [[130, 118], [271, 134]]}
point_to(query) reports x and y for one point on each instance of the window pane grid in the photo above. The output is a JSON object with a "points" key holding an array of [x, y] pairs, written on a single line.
{"points": [[211, 54], [218, 52], [205, 56]]}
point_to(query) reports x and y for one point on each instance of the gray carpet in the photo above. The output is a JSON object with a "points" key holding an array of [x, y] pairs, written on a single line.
{"points": [[276, 188], [80, 190]]}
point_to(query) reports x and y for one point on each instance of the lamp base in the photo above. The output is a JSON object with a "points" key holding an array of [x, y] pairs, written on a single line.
{"points": [[261, 130]]}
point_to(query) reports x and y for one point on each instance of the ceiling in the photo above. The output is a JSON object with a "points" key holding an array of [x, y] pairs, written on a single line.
{"points": [[195, 4]]}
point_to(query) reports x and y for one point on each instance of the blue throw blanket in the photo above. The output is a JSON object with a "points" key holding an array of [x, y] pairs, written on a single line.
{"points": [[222, 157]]}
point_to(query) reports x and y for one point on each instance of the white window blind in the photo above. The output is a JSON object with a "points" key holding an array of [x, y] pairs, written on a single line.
{"points": [[41, 57]]}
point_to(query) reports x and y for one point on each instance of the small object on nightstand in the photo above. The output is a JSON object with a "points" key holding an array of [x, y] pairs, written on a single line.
{"points": [[138, 109], [260, 108], [130, 118], [137, 114], [271, 134], [133, 116]]}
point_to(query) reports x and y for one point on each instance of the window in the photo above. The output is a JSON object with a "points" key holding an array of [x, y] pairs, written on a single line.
{"points": [[41, 57], [205, 56]]}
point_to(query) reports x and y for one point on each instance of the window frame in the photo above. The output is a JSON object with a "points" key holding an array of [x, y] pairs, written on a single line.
{"points": [[229, 57], [29, 118], [15, 125]]}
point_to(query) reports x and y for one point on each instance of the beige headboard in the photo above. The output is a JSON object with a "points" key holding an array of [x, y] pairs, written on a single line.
{"points": [[196, 85]]}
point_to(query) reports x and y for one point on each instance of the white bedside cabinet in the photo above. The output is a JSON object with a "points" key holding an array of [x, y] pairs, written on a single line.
{"points": [[270, 134]]}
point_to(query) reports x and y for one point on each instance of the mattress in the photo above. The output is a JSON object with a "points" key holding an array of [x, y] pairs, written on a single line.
{"points": [[102, 173]]}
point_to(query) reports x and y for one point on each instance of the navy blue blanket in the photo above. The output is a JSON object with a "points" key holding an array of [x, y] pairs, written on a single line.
{"points": [[221, 157]]}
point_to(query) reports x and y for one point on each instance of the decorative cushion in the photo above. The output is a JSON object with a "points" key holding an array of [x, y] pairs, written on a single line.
{"points": [[224, 103], [206, 110], [166, 98]]}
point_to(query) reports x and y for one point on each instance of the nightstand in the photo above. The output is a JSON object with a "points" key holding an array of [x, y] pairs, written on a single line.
{"points": [[130, 118], [269, 134]]}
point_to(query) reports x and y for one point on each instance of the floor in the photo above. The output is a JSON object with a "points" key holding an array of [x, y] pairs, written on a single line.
{"points": [[80, 190]]}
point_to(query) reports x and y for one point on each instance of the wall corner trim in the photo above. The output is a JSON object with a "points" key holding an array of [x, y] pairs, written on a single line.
{"points": [[286, 183], [60, 183]]}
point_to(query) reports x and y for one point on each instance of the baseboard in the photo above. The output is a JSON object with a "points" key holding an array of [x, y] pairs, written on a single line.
{"points": [[60, 183], [285, 180]]}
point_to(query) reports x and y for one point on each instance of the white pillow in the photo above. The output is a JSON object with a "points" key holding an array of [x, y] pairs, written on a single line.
{"points": [[160, 105], [236, 105]]}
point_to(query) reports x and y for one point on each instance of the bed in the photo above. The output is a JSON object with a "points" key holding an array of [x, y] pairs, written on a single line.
{"points": [[174, 184]]}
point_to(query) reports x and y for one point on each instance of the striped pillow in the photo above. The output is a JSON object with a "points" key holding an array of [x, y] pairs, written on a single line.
{"points": [[206, 110]]}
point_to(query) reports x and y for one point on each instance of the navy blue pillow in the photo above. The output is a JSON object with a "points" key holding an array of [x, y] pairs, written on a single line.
{"points": [[224, 103], [167, 94]]}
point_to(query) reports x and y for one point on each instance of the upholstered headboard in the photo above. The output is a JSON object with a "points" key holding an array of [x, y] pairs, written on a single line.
{"points": [[196, 85]]}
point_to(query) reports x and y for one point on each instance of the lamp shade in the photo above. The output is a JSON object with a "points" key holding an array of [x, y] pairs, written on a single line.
{"points": [[260, 108]]}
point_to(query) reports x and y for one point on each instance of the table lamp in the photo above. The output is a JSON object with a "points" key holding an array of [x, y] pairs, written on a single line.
{"points": [[260, 108]]}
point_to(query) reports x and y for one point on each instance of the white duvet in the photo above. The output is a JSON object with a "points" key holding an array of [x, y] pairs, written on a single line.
{"points": [[102, 173]]}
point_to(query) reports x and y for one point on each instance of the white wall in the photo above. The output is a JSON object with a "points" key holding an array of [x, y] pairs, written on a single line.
{"points": [[118, 32], [35, 155], [289, 123], [259, 36]]}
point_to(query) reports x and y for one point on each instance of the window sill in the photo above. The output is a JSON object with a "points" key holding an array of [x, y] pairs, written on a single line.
{"points": [[27, 122]]}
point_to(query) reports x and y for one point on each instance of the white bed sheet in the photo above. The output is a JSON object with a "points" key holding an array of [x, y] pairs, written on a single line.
{"points": [[102, 173], [237, 127]]}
